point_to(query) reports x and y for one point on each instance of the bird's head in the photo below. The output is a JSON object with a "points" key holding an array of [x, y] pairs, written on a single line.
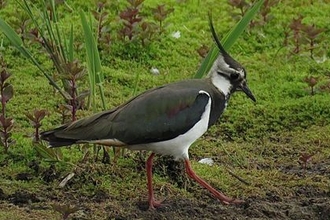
{"points": [[226, 73]]}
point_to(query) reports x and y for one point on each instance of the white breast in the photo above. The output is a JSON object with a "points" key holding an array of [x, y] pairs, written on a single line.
{"points": [[178, 147]]}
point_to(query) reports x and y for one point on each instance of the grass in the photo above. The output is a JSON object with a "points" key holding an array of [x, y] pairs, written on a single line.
{"points": [[259, 142]]}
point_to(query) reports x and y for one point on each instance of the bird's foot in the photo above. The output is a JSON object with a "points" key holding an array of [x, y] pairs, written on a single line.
{"points": [[153, 204], [235, 201]]}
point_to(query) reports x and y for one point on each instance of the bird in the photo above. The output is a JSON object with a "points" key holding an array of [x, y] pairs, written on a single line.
{"points": [[165, 120]]}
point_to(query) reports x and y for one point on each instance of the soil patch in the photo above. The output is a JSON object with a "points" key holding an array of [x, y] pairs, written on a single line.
{"points": [[307, 203]]}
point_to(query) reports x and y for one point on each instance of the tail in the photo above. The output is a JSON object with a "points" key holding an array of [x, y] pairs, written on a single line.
{"points": [[55, 141]]}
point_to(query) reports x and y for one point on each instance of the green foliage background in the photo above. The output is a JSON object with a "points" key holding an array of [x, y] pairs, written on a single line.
{"points": [[283, 97], [245, 134]]}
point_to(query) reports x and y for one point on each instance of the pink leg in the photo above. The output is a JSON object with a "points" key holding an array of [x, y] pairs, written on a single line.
{"points": [[151, 199], [224, 199]]}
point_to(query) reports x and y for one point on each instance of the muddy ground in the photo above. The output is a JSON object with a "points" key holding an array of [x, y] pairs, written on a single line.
{"points": [[304, 203], [308, 203]]}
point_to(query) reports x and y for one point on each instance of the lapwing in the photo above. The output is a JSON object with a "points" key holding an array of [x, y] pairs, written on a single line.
{"points": [[165, 120]]}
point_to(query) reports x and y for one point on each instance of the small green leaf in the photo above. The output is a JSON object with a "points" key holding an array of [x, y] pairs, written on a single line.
{"points": [[83, 95], [8, 92], [70, 45], [49, 154]]}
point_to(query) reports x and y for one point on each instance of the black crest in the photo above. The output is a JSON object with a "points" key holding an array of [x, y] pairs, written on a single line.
{"points": [[228, 59]]}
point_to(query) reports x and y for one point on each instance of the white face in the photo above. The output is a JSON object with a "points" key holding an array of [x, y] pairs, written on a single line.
{"points": [[242, 73], [225, 69], [224, 77]]}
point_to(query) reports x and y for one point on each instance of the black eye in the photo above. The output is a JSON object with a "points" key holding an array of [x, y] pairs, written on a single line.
{"points": [[234, 76]]}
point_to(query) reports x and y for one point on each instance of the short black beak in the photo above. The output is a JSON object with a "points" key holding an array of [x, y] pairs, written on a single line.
{"points": [[247, 91]]}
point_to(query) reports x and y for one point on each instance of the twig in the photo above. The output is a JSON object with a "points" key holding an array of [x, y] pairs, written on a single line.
{"points": [[237, 177]]}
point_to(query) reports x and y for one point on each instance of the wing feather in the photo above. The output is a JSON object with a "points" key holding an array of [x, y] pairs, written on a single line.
{"points": [[158, 115]]}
